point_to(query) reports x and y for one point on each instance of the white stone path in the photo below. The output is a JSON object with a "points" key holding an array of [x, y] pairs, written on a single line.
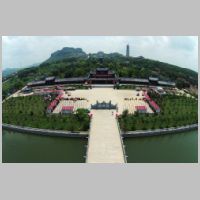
{"points": [[104, 141]]}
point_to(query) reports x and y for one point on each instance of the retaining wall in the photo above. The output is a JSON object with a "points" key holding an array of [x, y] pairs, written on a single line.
{"points": [[163, 131], [60, 133], [45, 132], [122, 142]]}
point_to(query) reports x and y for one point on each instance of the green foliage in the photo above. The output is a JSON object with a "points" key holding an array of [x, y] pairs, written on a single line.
{"points": [[76, 67], [175, 111], [67, 52], [30, 111], [125, 113], [8, 72], [122, 87]]}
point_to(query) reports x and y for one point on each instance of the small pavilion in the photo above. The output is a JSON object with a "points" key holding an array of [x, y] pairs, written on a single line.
{"points": [[141, 109], [67, 109]]}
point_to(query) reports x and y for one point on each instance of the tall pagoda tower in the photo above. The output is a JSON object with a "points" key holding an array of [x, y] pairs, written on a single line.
{"points": [[127, 50]]}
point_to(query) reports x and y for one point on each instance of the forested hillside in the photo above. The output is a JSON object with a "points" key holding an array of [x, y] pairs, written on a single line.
{"points": [[76, 66], [9, 71]]}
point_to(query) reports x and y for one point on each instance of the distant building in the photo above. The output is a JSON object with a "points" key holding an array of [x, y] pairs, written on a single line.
{"points": [[124, 80], [55, 102], [160, 89], [67, 109], [127, 51], [151, 103], [52, 106], [102, 75], [154, 106], [141, 109], [27, 90], [50, 80], [153, 80], [139, 57], [101, 56], [167, 83]]}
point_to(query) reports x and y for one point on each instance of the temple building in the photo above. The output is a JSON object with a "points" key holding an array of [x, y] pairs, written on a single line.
{"points": [[67, 109], [102, 75], [153, 80], [141, 109], [50, 80]]}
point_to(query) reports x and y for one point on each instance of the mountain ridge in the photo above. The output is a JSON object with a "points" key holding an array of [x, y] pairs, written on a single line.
{"points": [[67, 52]]}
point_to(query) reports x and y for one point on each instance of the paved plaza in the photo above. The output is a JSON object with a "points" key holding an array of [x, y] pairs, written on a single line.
{"points": [[125, 99]]}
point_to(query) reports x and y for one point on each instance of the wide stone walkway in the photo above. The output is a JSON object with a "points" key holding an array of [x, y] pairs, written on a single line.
{"points": [[104, 141]]}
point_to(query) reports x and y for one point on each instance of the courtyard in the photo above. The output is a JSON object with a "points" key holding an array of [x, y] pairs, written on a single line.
{"points": [[125, 99]]}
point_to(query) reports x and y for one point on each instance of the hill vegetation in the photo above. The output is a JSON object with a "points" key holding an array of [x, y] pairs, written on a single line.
{"points": [[9, 71], [67, 52], [70, 62]]}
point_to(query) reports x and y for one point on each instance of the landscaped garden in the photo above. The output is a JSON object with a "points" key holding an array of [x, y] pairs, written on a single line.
{"points": [[30, 111], [175, 111]]}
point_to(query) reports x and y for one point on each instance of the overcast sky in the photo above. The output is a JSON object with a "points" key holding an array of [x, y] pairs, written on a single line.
{"points": [[22, 51]]}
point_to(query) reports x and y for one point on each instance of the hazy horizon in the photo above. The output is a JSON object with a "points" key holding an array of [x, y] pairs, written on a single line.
{"points": [[23, 51]]}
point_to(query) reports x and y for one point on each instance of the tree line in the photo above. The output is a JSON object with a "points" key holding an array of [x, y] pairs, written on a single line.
{"points": [[124, 67], [175, 111], [30, 111]]}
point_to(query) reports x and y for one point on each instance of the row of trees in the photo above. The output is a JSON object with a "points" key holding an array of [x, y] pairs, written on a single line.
{"points": [[175, 111], [31, 111]]}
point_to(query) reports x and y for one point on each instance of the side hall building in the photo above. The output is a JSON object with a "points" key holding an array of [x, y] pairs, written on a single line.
{"points": [[101, 75]]}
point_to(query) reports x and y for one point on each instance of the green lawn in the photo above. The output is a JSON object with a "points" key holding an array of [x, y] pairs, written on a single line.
{"points": [[30, 111]]}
